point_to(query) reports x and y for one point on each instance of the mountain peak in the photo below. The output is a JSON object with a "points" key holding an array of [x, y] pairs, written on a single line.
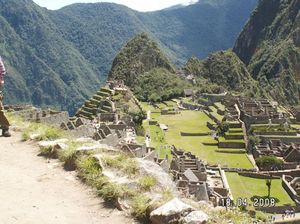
{"points": [[139, 55]]}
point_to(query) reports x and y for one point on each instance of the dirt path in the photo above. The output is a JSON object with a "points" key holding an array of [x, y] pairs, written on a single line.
{"points": [[33, 191]]}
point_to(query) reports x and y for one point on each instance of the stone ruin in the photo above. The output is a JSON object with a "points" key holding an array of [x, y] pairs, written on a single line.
{"points": [[260, 111], [295, 111], [109, 134], [193, 178], [291, 184], [289, 153], [146, 153]]}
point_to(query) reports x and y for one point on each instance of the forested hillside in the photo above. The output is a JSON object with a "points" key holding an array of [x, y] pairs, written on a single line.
{"points": [[59, 58], [223, 71], [43, 68], [270, 47]]}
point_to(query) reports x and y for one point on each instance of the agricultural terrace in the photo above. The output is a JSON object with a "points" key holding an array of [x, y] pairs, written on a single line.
{"points": [[246, 187], [191, 122]]}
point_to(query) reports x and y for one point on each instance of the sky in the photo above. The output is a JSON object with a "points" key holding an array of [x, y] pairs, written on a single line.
{"points": [[140, 5]]}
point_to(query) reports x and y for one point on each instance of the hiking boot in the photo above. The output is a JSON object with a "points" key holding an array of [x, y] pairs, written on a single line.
{"points": [[5, 133]]}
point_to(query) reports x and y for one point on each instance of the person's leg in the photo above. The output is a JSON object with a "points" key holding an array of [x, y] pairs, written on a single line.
{"points": [[4, 123]]}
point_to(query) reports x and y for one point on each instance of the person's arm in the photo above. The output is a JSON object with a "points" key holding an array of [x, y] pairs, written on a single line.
{"points": [[2, 73]]}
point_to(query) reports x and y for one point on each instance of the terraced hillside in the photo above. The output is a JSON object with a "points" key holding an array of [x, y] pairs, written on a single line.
{"points": [[99, 103]]}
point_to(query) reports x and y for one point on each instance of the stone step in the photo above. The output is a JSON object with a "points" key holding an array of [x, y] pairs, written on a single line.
{"points": [[95, 102], [109, 91], [107, 108], [89, 109], [86, 114], [191, 167], [97, 97]]}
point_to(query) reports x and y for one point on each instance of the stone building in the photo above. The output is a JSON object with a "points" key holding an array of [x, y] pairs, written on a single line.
{"points": [[194, 179]]}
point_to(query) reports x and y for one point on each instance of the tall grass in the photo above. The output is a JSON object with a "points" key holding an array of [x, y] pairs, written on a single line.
{"points": [[123, 163]]}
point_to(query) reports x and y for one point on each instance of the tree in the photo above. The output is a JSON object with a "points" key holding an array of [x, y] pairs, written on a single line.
{"points": [[269, 184], [269, 163], [223, 128]]}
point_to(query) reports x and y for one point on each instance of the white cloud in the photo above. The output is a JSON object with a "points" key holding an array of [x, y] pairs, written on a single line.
{"points": [[140, 5]]}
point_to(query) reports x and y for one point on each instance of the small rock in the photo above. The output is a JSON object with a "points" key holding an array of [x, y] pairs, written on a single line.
{"points": [[52, 143], [195, 217], [170, 212], [34, 136], [60, 146], [84, 140], [121, 205]]}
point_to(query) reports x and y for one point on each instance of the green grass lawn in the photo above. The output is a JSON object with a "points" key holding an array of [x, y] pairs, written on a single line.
{"points": [[222, 139], [235, 130], [195, 121], [220, 106], [186, 121], [246, 187], [234, 133], [215, 113], [295, 125]]}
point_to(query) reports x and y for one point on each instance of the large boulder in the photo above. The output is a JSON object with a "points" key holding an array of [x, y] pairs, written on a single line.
{"points": [[171, 212], [195, 217]]}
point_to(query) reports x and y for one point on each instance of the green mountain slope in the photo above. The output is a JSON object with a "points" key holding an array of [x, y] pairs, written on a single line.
{"points": [[61, 57], [159, 84], [222, 71], [43, 68], [269, 45], [100, 30], [138, 56], [143, 67], [199, 29]]}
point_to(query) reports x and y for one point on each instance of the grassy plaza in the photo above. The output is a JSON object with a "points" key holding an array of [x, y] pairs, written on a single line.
{"points": [[191, 122], [246, 187]]}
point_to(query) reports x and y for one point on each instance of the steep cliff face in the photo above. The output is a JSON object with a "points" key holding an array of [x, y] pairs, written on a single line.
{"points": [[269, 46], [138, 56]]}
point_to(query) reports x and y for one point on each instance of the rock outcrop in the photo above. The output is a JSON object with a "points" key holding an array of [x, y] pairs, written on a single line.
{"points": [[176, 211], [195, 217]]}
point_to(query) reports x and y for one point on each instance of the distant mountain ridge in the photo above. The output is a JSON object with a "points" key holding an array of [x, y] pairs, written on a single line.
{"points": [[270, 47], [59, 58]]}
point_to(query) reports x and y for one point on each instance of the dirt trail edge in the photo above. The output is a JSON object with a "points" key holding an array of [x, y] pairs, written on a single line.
{"points": [[33, 191]]}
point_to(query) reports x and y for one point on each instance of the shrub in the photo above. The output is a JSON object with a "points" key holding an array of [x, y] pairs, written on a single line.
{"points": [[147, 182], [139, 205], [42, 132], [49, 133], [46, 150], [113, 191], [25, 136], [223, 128], [68, 156], [254, 140], [90, 171], [269, 162]]}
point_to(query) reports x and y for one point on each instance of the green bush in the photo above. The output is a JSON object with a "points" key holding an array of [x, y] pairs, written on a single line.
{"points": [[147, 182], [139, 205], [269, 162], [90, 171], [69, 157], [159, 85], [113, 191], [46, 150], [25, 136]]}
